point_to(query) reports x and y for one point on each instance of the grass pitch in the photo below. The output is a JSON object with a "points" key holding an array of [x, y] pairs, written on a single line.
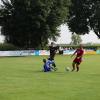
{"points": [[21, 79]]}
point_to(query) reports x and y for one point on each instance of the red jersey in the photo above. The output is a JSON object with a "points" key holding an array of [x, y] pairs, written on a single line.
{"points": [[79, 54]]}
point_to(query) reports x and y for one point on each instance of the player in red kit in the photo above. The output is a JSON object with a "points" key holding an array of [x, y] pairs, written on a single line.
{"points": [[78, 59]]}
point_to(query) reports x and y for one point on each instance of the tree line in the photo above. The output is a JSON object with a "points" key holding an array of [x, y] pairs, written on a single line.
{"points": [[31, 23]]}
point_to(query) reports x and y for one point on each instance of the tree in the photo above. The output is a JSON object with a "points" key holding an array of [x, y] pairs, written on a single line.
{"points": [[30, 23], [76, 39], [84, 15]]}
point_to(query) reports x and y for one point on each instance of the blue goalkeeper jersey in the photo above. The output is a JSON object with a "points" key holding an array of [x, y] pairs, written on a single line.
{"points": [[48, 65]]}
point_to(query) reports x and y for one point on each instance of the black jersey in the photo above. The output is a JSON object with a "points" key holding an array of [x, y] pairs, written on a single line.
{"points": [[52, 50]]}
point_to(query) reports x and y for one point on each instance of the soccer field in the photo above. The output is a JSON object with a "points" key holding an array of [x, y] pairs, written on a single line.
{"points": [[21, 79]]}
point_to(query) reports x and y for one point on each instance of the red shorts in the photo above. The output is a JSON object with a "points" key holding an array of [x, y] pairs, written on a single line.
{"points": [[77, 60]]}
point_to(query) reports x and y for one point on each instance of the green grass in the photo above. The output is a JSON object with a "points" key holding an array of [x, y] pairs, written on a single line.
{"points": [[21, 79]]}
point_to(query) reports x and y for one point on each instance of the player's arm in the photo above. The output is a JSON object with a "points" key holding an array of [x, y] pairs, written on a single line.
{"points": [[79, 57], [49, 47], [56, 48], [74, 53]]}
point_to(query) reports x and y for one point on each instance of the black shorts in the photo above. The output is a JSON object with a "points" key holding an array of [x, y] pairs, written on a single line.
{"points": [[52, 56], [77, 63]]}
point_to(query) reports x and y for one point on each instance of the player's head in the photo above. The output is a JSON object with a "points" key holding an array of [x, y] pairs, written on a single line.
{"points": [[44, 60], [58, 47], [80, 46], [52, 43]]}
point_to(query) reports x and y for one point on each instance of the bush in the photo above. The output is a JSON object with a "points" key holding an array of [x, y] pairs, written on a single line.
{"points": [[6, 47]]}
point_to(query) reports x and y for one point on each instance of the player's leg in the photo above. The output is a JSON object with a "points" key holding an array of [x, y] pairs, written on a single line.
{"points": [[54, 65], [77, 67], [73, 66], [47, 69], [52, 58], [53, 68]]}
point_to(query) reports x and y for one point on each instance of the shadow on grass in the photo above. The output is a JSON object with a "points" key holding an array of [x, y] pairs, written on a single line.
{"points": [[52, 72]]}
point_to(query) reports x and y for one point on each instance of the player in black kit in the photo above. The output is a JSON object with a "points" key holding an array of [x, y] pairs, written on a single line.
{"points": [[53, 50]]}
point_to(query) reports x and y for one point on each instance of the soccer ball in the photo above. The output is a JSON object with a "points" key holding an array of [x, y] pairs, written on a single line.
{"points": [[67, 69]]}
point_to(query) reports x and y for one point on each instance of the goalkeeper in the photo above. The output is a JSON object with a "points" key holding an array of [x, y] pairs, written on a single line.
{"points": [[48, 65]]}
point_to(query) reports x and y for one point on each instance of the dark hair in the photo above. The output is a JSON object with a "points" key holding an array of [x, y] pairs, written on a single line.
{"points": [[52, 43], [50, 59], [44, 60]]}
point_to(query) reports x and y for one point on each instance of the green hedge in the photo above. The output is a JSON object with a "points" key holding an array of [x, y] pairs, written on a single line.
{"points": [[6, 47], [94, 46]]}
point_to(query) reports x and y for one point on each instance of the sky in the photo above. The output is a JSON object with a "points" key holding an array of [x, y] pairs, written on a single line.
{"points": [[65, 36]]}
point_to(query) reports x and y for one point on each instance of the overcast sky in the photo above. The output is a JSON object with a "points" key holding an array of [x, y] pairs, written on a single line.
{"points": [[65, 36]]}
